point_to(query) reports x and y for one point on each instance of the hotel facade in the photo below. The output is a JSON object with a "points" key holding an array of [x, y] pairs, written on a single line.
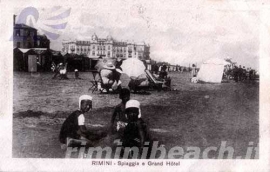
{"points": [[107, 48]]}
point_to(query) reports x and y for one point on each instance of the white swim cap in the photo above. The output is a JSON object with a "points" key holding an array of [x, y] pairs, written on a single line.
{"points": [[134, 104], [84, 97]]}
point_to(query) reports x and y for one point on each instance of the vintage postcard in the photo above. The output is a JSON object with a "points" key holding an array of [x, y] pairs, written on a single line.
{"points": [[135, 85]]}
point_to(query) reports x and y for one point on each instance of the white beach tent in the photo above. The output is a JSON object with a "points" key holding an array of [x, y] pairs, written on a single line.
{"points": [[212, 70]]}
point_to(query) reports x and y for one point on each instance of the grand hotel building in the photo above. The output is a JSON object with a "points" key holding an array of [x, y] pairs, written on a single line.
{"points": [[108, 48]]}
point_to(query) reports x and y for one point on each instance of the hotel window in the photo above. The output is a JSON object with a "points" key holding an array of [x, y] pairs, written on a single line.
{"points": [[93, 53], [21, 32], [27, 33], [18, 32]]}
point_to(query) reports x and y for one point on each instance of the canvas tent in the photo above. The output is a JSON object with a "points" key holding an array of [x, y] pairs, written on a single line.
{"points": [[212, 70]]}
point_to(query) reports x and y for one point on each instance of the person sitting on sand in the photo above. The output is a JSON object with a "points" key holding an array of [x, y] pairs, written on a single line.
{"points": [[118, 116], [73, 131], [109, 79], [136, 133], [118, 70], [163, 73], [137, 83]]}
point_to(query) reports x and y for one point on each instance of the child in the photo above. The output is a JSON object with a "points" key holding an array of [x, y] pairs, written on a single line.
{"points": [[119, 112], [136, 132], [73, 130], [77, 74], [56, 70], [63, 71]]}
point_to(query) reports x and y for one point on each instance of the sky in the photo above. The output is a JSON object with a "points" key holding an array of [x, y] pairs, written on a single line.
{"points": [[179, 32]]}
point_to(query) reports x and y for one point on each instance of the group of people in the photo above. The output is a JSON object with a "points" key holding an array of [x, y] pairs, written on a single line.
{"points": [[240, 73], [60, 70], [237, 73], [126, 125], [110, 75], [161, 70]]}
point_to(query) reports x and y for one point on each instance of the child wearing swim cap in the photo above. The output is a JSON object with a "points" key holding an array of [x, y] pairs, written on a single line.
{"points": [[74, 129]]}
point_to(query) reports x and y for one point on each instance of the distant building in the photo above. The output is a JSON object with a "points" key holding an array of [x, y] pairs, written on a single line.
{"points": [[31, 51], [107, 47], [42, 41], [25, 36]]}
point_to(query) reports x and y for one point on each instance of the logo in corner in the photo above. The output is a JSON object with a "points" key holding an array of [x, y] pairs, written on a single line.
{"points": [[50, 22]]}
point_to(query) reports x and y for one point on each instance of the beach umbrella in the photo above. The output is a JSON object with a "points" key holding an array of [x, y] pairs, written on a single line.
{"points": [[103, 62], [133, 67]]}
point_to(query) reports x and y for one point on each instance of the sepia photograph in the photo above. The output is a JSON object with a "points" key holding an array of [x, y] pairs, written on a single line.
{"points": [[117, 83], [134, 84]]}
